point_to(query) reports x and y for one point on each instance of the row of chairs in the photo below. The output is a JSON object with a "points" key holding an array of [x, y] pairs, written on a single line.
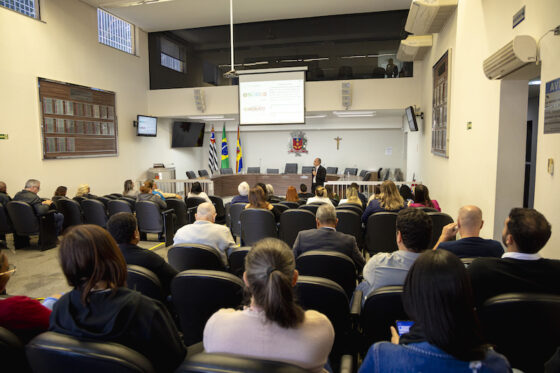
{"points": [[289, 168]]}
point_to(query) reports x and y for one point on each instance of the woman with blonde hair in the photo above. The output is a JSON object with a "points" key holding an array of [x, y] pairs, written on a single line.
{"points": [[321, 196], [351, 197], [257, 200], [83, 191], [273, 326], [390, 200]]}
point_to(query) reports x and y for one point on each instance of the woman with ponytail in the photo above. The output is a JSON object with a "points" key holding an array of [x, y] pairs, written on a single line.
{"points": [[273, 326]]}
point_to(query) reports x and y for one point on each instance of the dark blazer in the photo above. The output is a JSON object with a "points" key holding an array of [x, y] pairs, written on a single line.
{"points": [[34, 200], [473, 247], [329, 240], [4, 199], [495, 276], [145, 258], [321, 176]]}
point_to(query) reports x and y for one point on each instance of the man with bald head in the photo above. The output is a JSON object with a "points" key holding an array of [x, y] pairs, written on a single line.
{"points": [[204, 231], [471, 245]]}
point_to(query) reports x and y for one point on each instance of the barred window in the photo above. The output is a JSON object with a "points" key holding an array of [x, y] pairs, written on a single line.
{"points": [[173, 55], [28, 7], [115, 32]]}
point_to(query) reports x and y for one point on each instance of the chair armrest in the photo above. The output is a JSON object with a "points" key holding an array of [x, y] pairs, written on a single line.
{"points": [[346, 364], [167, 212], [356, 306]]}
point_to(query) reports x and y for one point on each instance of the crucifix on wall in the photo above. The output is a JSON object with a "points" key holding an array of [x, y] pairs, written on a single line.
{"points": [[337, 139]]}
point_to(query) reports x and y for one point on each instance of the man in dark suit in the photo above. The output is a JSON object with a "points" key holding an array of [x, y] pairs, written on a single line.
{"points": [[520, 269], [319, 174], [325, 237], [124, 229]]}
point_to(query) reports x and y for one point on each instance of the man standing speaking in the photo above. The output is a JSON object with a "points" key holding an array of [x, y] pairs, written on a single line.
{"points": [[319, 174]]}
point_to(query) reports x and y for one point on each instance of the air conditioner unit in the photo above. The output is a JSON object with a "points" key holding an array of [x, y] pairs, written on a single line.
{"points": [[515, 60], [428, 16], [414, 47]]}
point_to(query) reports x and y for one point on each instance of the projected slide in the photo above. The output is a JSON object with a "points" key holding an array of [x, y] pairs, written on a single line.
{"points": [[272, 101]]}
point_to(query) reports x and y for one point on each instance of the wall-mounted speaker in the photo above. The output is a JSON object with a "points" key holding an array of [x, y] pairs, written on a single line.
{"points": [[199, 100], [346, 93]]}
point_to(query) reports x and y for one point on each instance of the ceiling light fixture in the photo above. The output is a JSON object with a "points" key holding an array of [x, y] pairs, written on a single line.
{"points": [[315, 116], [535, 82], [354, 113]]}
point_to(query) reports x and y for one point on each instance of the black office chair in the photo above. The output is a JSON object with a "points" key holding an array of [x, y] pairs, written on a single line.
{"points": [[26, 223], [350, 222], [350, 207], [237, 260], [180, 209], [71, 211], [220, 209], [290, 204], [381, 309], [256, 224], [118, 205], [312, 208], [191, 205], [54, 352], [235, 218], [152, 220], [291, 168], [272, 171], [12, 353], [307, 169], [203, 173], [191, 175], [226, 171], [131, 201], [370, 176], [79, 199], [524, 327], [101, 199], [94, 212], [381, 232], [186, 256], [351, 171], [280, 207], [145, 281], [227, 363], [467, 261], [253, 170], [363, 173], [332, 170], [117, 195], [110, 196], [198, 294], [294, 221], [329, 264], [439, 220], [5, 224]]}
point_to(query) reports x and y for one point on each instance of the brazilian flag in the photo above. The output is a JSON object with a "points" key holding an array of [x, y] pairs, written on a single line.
{"points": [[225, 157]]}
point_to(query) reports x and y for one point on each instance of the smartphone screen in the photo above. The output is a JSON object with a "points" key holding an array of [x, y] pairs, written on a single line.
{"points": [[403, 326]]}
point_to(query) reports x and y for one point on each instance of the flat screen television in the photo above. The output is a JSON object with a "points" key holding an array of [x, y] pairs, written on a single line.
{"points": [[187, 134], [147, 126], [411, 118]]}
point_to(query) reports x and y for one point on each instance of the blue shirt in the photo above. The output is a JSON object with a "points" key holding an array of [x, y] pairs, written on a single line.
{"points": [[473, 247], [240, 199], [157, 193]]}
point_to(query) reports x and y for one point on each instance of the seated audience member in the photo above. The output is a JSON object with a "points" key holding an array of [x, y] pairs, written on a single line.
{"points": [[124, 229], [243, 190], [361, 196], [60, 191], [422, 198], [521, 269], [4, 197], [273, 326], [129, 190], [23, 316], [196, 192], [147, 195], [376, 192], [292, 195], [257, 200], [204, 231], [471, 245], [304, 194], [406, 194], [351, 197], [331, 194], [102, 308], [158, 192], [446, 336], [264, 188], [84, 191], [325, 237], [414, 233], [320, 196], [270, 194], [389, 200]]}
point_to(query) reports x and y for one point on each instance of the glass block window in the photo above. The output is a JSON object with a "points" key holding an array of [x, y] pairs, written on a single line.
{"points": [[173, 55], [28, 7], [115, 32]]}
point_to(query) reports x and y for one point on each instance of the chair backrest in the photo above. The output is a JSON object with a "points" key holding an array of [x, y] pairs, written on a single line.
{"points": [[203, 173], [272, 171], [439, 220], [523, 327], [79, 199], [145, 281], [227, 363], [71, 211], [194, 202], [235, 218], [23, 218], [197, 294], [381, 232], [370, 176], [54, 352], [5, 224], [291, 168], [351, 171], [280, 207], [194, 256], [131, 201], [253, 170], [149, 217], [191, 175], [117, 195], [290, 204], [350, 222], [292, 222], [94, 212], [220, 209], [332, 170], [313, 208], [110, 196], [467, 261], [180, 209], [12, 353], [237, 260], [381, 309], [256, 224], [350, 207], [307, 169], [363, 173], [329, 264], [101, 199], [328, 297], [118, 205], [226, 171]]}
